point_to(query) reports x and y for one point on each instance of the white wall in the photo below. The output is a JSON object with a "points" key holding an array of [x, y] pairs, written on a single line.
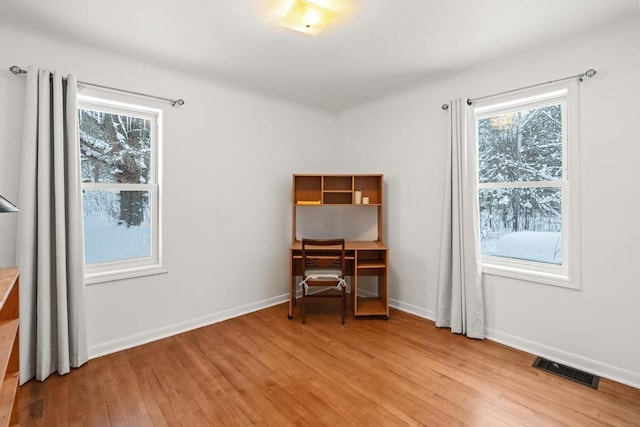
{"points": [[228, 159], [404, 137]]}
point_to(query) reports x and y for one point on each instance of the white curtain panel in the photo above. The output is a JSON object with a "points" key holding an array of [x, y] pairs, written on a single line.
{"points": [[460, 303], [50, 242]]}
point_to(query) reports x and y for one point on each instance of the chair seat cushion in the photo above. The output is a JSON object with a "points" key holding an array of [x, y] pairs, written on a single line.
{"points": [[323, 273]]}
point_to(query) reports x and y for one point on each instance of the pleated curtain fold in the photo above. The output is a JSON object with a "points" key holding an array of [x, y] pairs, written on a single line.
{"points": [[50, 242], [460, 301]]}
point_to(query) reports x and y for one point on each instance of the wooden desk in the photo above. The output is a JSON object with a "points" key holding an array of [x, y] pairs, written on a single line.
{"points": [[364, 258]]}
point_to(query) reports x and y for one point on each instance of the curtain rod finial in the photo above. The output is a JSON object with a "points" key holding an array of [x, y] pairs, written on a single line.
{"points": [[445, 107], [17, 70], [590, 72]]}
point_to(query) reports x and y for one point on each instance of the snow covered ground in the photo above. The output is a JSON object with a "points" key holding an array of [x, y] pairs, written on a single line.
{"points": [[540, 246], [106, 240]]}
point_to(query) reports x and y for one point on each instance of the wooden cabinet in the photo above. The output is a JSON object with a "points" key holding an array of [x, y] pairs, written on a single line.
{"points": [[370, 259], [9, 346]]}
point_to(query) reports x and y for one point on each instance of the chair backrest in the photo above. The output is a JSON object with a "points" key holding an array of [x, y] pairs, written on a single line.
{"points": [[323, 254]]}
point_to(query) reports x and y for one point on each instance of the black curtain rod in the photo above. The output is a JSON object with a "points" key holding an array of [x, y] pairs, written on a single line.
{"points": [[174, 102]]}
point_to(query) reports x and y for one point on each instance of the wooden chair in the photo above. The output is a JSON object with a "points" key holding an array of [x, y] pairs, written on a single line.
{"points": [[323, 265]]}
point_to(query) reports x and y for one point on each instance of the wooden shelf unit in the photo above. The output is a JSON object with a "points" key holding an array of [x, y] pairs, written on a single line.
{"points": [[367, 258], [337, 190], [9, 346], [371, 263]]}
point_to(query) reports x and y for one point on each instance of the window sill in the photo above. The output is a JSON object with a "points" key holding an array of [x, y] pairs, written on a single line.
{"points": [[528, 275], [92, 278]]}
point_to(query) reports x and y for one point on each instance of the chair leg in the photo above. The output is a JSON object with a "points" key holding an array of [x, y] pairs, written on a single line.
{"points": [[343, 303], [304, 305]]}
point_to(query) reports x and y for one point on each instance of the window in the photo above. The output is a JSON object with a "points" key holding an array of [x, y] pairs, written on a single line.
{"points": [[119, 150], [526, 192]]}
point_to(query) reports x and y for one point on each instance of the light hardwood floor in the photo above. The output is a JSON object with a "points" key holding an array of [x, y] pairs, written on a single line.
{"points": [[263, 369]]}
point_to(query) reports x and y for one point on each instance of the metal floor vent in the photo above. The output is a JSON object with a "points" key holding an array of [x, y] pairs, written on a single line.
{"points": [[567, 372]]}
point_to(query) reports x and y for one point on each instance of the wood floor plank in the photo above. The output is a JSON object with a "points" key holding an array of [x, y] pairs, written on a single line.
{"points": [[262, 369]]}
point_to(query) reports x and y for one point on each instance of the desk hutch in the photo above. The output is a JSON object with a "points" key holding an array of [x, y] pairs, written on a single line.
{"points": [[365, 258]]}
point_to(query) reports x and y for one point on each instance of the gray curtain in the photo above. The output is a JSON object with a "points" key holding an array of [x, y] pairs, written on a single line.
{"points": [[50, 242], [460, 302]]}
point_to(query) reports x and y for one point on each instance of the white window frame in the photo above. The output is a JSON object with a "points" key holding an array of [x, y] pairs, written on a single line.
{"points": [[568, 273], [136, 267]]}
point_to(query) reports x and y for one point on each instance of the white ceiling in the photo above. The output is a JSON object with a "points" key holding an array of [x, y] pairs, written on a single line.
{"points": [[377, 46]]}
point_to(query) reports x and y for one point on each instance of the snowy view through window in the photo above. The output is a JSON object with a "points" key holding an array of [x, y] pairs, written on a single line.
{"points": [[115, 158], [520, 156]]}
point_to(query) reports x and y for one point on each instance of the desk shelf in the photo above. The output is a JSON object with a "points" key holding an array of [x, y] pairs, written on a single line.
{"points": [[8, 399], [372, 258], [371, 307], [371, 264], [337, 183], [337, 197]]}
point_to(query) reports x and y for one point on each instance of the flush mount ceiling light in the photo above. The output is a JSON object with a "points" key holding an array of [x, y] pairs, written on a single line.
{"points": [[307, 17]]}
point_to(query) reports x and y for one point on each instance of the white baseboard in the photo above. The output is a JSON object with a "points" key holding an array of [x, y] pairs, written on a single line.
{"points": [[574, 360], [593, 366], [413, 309], [178, 328]]}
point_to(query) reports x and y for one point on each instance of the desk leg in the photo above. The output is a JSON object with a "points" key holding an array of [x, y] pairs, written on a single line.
{"points": [[292, 291]]}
